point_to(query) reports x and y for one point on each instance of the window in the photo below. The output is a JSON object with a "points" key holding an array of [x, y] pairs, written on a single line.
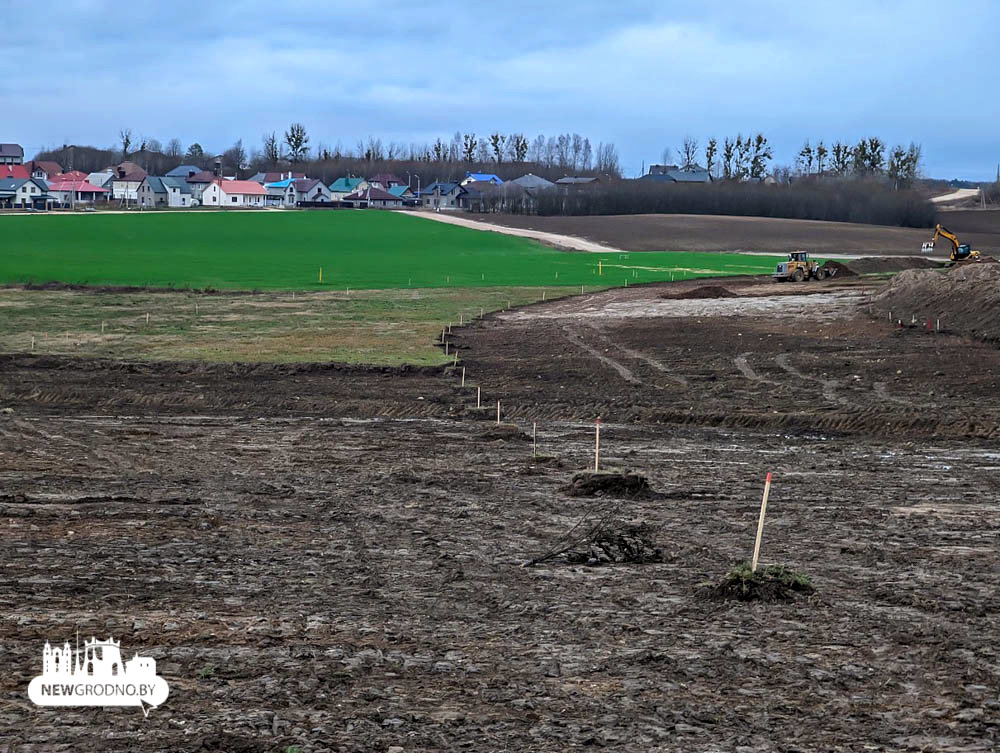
{"points": [[234, 199]]}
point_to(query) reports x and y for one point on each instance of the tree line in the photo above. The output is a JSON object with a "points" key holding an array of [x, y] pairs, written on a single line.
{"points": [[562, 154], [865, 159]]}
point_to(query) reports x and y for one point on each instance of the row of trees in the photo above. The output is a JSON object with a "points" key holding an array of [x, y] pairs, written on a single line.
{"points": [[736, 159], [865, 159], [844, 201]]}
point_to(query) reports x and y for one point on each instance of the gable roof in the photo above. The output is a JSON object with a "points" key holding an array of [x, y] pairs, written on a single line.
{"points": [[696, 175], [14, 171], [574, 180], [479, 177], [346, 184], [307, 184], [101, 178], [48, 167], [400, 191], [155, 183], [371, 194], [174, 182], [182, 171], [70, 175], [274, 176], [533, 181], [444, 188], [205, 176], [11, 150], [12, 184], [385, 179], [80, 186], [241, 186]]}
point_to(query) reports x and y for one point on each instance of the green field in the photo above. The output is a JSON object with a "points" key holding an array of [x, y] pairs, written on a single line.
{"points": [[286, 250]]}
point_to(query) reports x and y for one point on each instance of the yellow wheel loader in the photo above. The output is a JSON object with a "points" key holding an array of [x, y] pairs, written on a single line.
{"points": [[799, 268]]}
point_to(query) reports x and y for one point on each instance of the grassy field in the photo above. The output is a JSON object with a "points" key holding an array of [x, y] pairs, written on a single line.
{"points": [[376, 327], [285, 251]]}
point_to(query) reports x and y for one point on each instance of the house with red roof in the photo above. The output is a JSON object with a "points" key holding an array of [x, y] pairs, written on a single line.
{"points": [[233, 193], [72, 192], [17, 172], [69, 175], [43, 169]]}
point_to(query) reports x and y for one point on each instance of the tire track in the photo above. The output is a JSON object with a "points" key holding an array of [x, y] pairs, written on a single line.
{"points": [[829, 385], [747, 370], [640, 356], [623, 371]]}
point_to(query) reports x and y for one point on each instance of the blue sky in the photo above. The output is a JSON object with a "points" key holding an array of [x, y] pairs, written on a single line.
{"points": [[640, 74]]}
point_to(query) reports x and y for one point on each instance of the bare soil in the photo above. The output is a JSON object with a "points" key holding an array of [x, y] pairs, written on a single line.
{"points": [[331, 557], [685, 232]]}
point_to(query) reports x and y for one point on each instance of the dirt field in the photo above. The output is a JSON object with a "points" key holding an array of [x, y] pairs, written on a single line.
{"points": [[684, 232], [331, 558]]}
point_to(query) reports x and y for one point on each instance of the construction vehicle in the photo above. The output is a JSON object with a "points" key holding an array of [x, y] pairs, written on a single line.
{"points": [[799, 268], [959, 251]]}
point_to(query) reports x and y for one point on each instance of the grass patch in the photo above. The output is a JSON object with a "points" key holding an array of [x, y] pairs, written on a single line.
{"points": [[378, 327], [368, 250]]}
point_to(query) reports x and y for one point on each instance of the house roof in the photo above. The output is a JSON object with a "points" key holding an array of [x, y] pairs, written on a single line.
{"points": [[182, 171], [155, 182], [487, 177], [70, 175], [101, 178], [75, 185], [11, 150], [307, 184], [571, 180], [48, 167], [532, 181], [274, 176], [385, 179], [205, 176], [174, 182], [371, 194], [438, 185], [346, 184], [241, 186], [697, 175], [399, 191], [136, 176], [280, 183], [12, 184], [14, 171]]}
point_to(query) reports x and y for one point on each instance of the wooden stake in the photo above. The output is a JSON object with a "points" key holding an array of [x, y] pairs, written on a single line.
{"points": [[760, 523], [446, 347], [479, 397], [147, 318], [321, 274], [600, 269], [597, 446], [498, 412], [543, 295], [102, 326], [534, 442], [463, 376], [938, 326], [481, 312], [461, 320], [456, 358], [32, 343]]}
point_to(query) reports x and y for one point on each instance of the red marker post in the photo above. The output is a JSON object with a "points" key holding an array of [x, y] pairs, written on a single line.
{"points": [[760, 522]]}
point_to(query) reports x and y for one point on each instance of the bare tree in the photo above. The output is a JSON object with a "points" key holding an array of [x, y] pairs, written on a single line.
{"points": [[297, 141], [728, 158], [689, 153], [175, 150], [125, 137], [469, 144], [498, 144], [711, 150], [235, 157], [821, 155], [272, 148], [761, 154], [804, 161], [667, 156]]}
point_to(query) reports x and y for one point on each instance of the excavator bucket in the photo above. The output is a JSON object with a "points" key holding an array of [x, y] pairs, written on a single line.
{"points": [[927, 248]]}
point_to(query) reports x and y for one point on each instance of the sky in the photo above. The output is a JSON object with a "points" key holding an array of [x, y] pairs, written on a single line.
{"points": [[642, 75]]}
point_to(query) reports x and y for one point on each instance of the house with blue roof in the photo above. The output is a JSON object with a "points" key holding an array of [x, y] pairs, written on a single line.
{"points": [[481, 178], [25, 193], [342, 187], [183, 171]]}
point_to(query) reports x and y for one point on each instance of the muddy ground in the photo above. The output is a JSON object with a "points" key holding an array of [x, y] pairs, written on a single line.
{"points": [[332, 558], [687, 232]]}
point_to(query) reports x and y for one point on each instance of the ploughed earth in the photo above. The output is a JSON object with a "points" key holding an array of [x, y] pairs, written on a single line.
{"points": [[332, 558]]}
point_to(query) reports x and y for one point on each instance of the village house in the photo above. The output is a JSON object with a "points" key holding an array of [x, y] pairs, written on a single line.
{"points": [[69, 175], [405, 193], [440, 195], [125, 182], [43, 169], [295, 190], [199, 182], [481, 178], [70, 193], [575, 181], [676, 174], [274, 177], [182, 171], [373, 198], [25, 193], [179, 193], [385, 181], [341, 187], [16, 172], [11, 154], [151, 192], [233, 193], [533, 182]]}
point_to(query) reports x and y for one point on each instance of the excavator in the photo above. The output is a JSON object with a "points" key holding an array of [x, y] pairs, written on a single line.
{"points": [[959, 251]]}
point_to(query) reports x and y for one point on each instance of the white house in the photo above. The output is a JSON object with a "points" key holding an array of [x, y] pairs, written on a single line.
{"points": [[233, 193], [73, 192]]}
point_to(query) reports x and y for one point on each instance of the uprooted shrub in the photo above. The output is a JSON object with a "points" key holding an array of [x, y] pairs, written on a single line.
{"points": [[769, 583], [610, 484]]}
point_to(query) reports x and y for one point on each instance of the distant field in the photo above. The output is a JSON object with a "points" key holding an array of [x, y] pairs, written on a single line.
{"points": [[285, 251], [687, 232]]}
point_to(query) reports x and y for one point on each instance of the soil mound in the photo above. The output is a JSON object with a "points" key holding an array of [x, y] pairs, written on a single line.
{"points": [[769, 583], [704, 291], [609, 484], [505, 432], [839, 269], [965, 298], [632, 544], [887, 264]]}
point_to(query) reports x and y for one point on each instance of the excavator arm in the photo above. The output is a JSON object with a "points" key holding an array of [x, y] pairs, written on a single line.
{"points": [[942, 232]]}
